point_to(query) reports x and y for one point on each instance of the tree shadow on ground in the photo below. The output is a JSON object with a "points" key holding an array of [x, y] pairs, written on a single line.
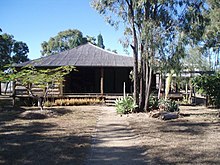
{"points": [[26, 141], [188, 143], [181, 155], [118, 156], [9, 114], [186, 127], [182, 141], [114, 144]]}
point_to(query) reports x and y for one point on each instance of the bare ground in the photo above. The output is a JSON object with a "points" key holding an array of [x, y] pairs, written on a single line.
{"points": [[64, 135], [60, 135], [189, 140]]}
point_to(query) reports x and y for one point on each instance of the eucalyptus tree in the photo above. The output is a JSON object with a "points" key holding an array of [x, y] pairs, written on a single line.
{"points": [[64, 40], [202, 23], [195, 60], [211, 36], [124, 11], [212, 31], [154, 29]]}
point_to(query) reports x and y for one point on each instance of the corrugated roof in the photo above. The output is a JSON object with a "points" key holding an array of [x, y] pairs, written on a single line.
{"points": [[83, 55]]}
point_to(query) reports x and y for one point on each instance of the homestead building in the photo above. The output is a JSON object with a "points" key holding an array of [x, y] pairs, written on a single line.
{"points": [[99, 72]]}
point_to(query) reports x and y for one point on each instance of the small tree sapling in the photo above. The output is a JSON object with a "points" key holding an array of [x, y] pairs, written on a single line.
{"points": [[30, 77]]}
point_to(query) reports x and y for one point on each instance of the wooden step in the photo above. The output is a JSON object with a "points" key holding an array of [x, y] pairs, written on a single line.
{"points": [[110, 100]]}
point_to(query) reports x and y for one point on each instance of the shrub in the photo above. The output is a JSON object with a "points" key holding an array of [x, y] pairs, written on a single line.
{"points": [[125, 105], [168, 105], [209, 85], [153, 103]]}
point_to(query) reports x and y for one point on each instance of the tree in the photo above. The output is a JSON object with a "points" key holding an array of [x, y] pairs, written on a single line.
{"points": [[20, 50], [202, 23], [31, 78], [209, 85], [195, 60], [64, 40], [6, 44], [212, 30], [11, 51], [154, 27], [211, 35], [100, 41]]}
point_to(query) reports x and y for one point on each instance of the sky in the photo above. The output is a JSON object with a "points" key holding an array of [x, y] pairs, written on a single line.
{"points": [[35, 21]]}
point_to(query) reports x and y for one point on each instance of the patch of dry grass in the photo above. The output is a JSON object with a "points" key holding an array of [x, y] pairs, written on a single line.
{"points": [[61, 138], [62, 135], [189, 140]]}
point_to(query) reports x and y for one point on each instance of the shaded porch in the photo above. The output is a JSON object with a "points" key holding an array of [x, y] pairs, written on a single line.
{"points": [[98, 80]]}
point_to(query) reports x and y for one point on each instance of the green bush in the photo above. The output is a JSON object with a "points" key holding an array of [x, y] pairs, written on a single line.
{"points": [[168, 105], [125, 105], [209, 85], [153, 103]]}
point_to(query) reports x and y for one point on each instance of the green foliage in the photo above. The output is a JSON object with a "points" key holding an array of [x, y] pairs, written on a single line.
{"points": [[12, 51], [209, 85], [153, 103], [194, 23], [153, 30], [125, 105], [195, 60], [212, 31], [30, 76], [40, 77], [168, 105], [100, 42], [20, 50], [162, 104], [64, 40]]}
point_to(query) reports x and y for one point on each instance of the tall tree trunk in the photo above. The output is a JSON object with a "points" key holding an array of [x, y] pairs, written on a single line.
{"points": [[148, 78], [135, 55], [159, 86], [142, 84], [168, 83], [135, 70], [148, 85]]}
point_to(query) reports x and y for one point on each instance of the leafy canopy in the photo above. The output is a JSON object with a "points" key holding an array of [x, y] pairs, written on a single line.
{"points": [[212, 31], [41, 78], [12, 51], [65, 40], [209, 85]]}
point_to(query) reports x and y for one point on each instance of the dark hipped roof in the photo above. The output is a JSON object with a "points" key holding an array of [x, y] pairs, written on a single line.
{"points": [[84, 55]]}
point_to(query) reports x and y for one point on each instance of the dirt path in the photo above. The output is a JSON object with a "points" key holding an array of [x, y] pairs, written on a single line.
{"points": [[115, 142]]}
